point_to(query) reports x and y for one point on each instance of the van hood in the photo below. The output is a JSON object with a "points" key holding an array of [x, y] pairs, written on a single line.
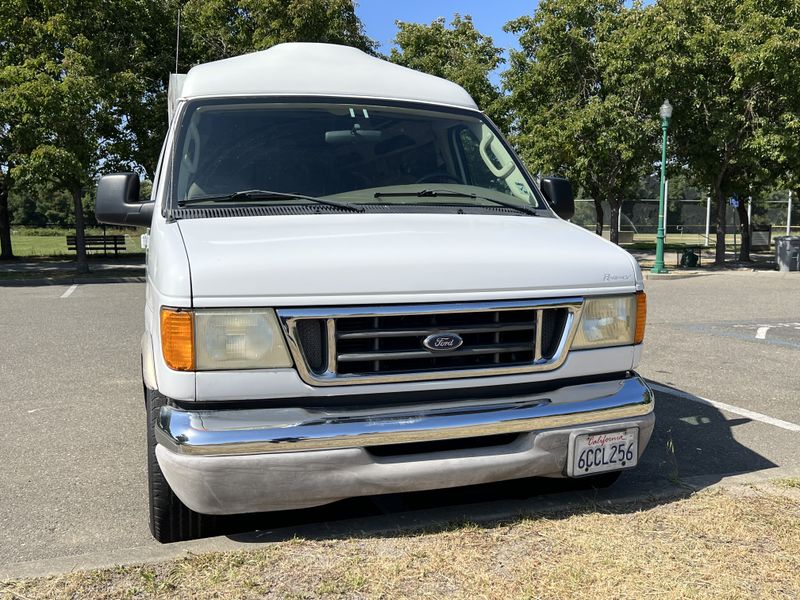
{"points": [[384, 258]]}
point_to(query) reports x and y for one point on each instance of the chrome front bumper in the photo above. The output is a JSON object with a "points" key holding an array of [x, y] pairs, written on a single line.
{"points": [[240, 461], [271, 430]]}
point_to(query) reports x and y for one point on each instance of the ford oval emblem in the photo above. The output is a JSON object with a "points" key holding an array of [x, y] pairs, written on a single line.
{"points": [[442, 342]]}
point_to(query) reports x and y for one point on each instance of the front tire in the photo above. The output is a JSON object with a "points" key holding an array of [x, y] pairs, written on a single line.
{"points": [[170, 519]]}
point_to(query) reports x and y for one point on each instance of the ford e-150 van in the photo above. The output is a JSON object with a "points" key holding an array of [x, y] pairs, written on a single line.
{"points": [[354, 287]]}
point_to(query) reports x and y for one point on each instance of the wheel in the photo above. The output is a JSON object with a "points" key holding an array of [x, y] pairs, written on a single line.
{"points": [[603, 480], [170, 519]]}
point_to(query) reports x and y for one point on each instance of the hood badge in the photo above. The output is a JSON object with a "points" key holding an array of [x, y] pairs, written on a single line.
{"points": [[441, 342]]}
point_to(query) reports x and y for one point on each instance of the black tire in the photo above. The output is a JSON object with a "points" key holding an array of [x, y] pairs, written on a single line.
{"points": [[170, 519]]}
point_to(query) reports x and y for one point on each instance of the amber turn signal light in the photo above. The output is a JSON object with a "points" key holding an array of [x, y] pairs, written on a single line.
{"points": [[177, 338], [641, 317]]}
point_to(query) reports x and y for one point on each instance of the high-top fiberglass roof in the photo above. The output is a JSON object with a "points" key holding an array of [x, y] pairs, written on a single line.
{"points": [[305, 69]]}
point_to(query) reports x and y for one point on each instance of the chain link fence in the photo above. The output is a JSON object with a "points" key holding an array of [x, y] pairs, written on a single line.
{"points": [[687, 221]]}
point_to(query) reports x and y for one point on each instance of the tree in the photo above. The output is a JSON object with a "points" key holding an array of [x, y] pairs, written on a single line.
{"points": [[84, 81], [459, 53], [136, 75], [576, 112], [730, 67], [64, 67], [9, 115], [54, 99], [210, 30], [216, 29], [6, 251]]}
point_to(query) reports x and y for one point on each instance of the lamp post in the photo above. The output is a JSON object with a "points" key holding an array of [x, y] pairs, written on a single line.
{"points": [[666, 114]]}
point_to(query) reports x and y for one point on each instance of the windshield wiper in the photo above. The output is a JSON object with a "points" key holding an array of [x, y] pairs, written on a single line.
{"points": [[266, 195], [452, 194]]}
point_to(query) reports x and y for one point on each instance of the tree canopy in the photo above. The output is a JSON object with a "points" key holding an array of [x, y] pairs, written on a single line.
{"points": [[731, 68], [575, 111], [84, 82], [84, 86], [459, 53], [216, 29]]}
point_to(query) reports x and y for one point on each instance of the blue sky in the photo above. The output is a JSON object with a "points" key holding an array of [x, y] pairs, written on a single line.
{"points": [[489, 16]]}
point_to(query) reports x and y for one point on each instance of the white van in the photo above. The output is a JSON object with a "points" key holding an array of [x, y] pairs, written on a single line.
{"points": [[354, 287]]}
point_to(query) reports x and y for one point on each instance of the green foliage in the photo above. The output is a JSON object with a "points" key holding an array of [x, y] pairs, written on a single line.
{"points": [[459, 53], [217, 29], [84, 85], [730, 68], [84, 89], [41, 207], [576, 111]]}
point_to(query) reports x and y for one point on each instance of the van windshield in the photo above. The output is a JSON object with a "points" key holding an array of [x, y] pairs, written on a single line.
{"points": [[359, 154]]}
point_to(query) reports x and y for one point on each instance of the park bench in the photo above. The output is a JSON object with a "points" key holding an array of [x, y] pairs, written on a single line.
{"points": [[100, 242]]}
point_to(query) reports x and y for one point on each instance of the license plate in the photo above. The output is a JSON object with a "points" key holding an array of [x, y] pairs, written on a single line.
{"points": [[606, 451]]}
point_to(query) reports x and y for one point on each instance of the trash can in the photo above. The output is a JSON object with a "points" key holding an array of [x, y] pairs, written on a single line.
{"points": [[787, 252]]}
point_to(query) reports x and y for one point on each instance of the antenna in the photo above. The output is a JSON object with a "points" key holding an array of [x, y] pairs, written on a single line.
{"points": [[178, 40]]}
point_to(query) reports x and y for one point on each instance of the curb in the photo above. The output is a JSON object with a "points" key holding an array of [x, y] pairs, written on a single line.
{"points": [[736, 272], [81, 280], [392, 524], [673, 275]]}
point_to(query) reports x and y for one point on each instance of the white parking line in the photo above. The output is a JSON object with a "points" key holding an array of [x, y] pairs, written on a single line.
{"points": [[761, 332], [69, 291], [743, 412]]}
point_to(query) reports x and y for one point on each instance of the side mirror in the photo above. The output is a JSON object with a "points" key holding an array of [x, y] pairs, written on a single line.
{"points": [[558, 193], [117, 201]]}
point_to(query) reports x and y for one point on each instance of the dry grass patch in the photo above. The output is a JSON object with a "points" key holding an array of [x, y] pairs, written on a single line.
{"points": [[736, 543]]}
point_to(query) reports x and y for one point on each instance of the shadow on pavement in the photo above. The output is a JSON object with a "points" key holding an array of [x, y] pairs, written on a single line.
{"points": [[691, 439], [42, 271]]}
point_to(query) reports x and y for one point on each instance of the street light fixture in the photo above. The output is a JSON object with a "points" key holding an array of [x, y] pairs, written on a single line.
{"points": [[665, 112]]}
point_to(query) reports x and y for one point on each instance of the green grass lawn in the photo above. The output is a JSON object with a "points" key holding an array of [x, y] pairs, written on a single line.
{"points": [[52, 242]]}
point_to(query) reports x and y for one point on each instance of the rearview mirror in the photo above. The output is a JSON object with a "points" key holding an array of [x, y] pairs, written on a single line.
{"points": [[356, 134], [118, 203], [558, 193]]}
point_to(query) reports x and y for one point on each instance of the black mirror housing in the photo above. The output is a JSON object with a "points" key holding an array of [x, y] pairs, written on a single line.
{"points": [[558, 192], [117, 201]]}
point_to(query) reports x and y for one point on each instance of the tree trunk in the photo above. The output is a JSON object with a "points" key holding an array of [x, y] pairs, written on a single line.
{"points": [[614, 224], [719, 256], [6, 252], [598, 208], [744, 229], [80, 243]]}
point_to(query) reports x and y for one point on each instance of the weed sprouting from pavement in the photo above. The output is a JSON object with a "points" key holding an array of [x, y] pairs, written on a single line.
{"points": [[674, 473]]}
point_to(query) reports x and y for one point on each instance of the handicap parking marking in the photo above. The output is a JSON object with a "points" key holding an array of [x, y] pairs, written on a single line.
{"points": [[69, 291], [736, 410]]}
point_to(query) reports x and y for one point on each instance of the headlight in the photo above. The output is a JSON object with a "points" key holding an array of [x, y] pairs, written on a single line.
{"points": [[611, 321], [223, 339]]}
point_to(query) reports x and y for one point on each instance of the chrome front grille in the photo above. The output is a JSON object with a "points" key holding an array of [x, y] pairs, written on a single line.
{"points": [[338, 346]]}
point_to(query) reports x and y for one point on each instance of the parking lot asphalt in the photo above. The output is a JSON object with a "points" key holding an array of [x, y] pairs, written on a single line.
{"points": [[721, 351]]}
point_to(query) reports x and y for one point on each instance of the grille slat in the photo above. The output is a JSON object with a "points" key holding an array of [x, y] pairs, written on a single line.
{"points": [[383, 344], [369, 334], [494, 349]]}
